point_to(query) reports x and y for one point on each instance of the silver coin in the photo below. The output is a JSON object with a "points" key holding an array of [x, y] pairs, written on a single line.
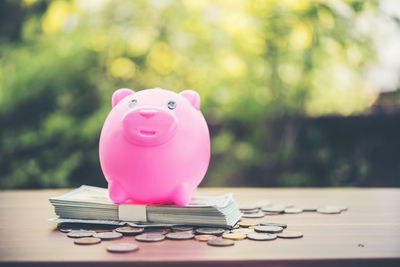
{"points": [[245, 231], [162, 231], [290, 234], [127, 230], [271, 213], [179, 235], [108, 235], [80, 233], [210, 231], [261, 236], [275, 209], [253, 215], [150, 237], [342, 208], [220, 242], [64, 230], [122, 247], [293, 210], [250, 211], [182, 228], [273, 224], [329, 211], [268, 229], [309, 208]]}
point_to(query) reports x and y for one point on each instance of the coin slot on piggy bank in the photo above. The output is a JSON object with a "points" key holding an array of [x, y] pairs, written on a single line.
{"points": [[154, 146]]}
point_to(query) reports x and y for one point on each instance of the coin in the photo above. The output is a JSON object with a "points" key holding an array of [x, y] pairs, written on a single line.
{"points": [[162, 231], [220, 242], [293, 210], [182, 228], [248, 207], [253, 215], [329, 211], [234, 236], [122, 247], [250, 211], [290, 234], [150, 237], [276, 209], [243, 231], [309, 208], [127, 230], [205, 238], [268, 229], [87, 241], [247, 223], [179, 235], [236, 226], [108, 235], [342, 208], [64, 230], [271, 213], [80, 233], [273, 224], [261, 236], [210, 231]]}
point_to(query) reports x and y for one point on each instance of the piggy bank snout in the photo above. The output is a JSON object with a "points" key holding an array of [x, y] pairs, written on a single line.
{"points": [[149, 126]]}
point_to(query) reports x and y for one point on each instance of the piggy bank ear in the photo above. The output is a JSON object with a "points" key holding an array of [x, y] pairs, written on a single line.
{"points": [[120, 94], [193, 97]]}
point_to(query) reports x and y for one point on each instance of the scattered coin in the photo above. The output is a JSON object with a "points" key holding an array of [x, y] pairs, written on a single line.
{"points": [[253, 215], [273, 224], [245, 231], [293, 210], [290, 234], [150, 237], [267, 213], [210, 231], [108, 235], [247, 223], [220, 242], [342, 208], [261, 236], [122, 247], [64, 230], [234, 236], [275, 209], [127, 230], [250, 211], [179, 235], [236, 226], [329, 211], [80, 233], [162, 231], [87, 241], [183, 228], [205, 238], [268, 229], [309, 208]]}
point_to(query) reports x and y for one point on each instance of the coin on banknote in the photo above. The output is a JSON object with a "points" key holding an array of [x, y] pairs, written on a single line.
{"points": [[87, 241], [293, 210], [234, 236], [108, 235], [268, 229], [275, 209], [122, 247], [329, 211], [342, 208], [253, 215], [80, 233], [162, 231], [273, 224], [182, 228], [210, 231], [309, 208], [127, 230], [220, 242], [290, 234], [247, 223], [261, 236], [150, 237], [179, 235], [205, 238]]}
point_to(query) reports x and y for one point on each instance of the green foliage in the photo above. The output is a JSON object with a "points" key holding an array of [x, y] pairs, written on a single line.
{"points": [[253, 63]]}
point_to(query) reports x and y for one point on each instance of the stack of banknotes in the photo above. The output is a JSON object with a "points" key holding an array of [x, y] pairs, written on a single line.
{"points": [[88, 204]]}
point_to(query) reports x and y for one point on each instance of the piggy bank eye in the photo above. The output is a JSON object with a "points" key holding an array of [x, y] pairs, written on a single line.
{"points": [[132, 104], [171, 105]]}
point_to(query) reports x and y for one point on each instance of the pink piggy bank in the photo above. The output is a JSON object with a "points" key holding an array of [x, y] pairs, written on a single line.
{"points": [[154, 146]]}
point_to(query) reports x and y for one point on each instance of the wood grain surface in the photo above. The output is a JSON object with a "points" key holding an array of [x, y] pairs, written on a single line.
{"points": [[368, 234]]}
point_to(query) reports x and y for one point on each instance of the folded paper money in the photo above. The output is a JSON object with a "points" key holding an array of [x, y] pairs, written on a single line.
{"points": [[91, 204]]}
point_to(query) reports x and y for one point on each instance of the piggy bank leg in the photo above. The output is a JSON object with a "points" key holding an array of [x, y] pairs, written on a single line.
{"points": [[182, 194], [117, 194]]}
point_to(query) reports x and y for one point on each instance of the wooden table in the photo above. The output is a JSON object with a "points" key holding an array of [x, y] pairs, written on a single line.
{"points": [[367, 234]]}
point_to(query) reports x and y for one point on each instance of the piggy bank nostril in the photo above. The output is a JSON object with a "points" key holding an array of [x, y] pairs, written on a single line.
{"points": [[147, 113]]}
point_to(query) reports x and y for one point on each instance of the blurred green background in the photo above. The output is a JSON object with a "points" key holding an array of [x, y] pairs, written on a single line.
{"points": [[288, 87]]}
